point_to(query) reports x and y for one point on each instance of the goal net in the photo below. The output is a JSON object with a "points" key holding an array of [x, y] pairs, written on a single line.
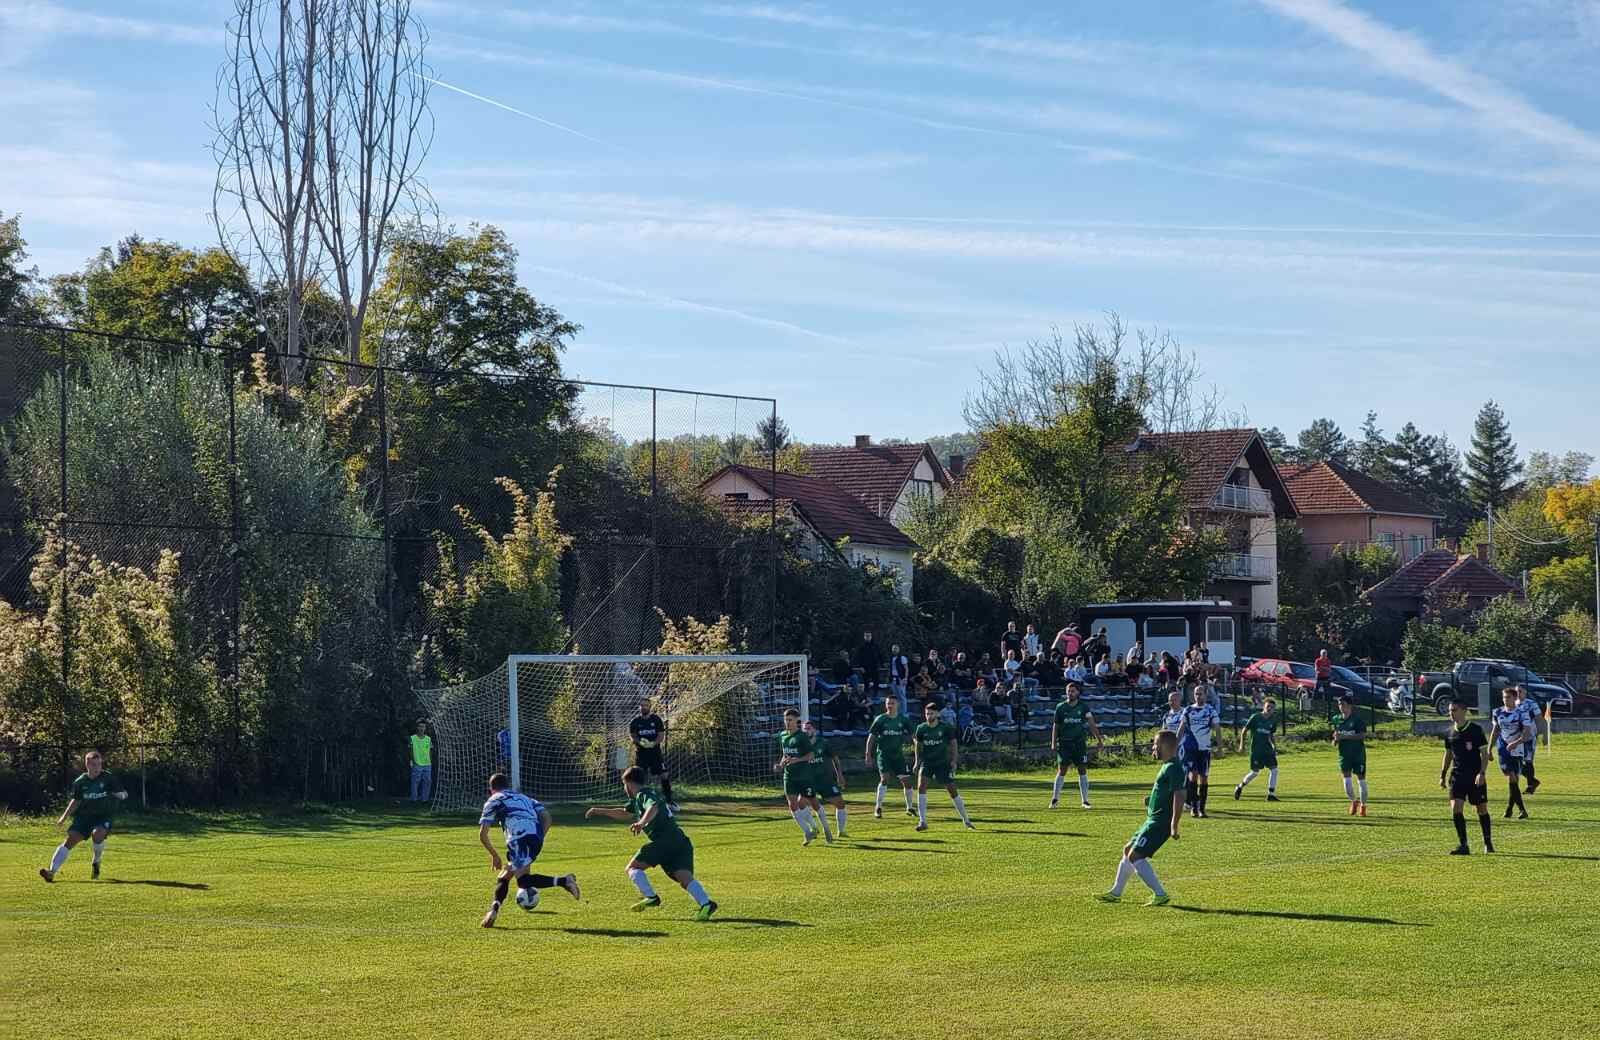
{"points": [[558, 724]]}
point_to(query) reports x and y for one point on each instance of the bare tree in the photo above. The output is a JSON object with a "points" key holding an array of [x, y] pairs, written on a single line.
{"points": [[321, 125]]}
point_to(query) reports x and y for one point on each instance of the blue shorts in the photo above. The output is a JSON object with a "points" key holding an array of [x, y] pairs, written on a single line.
{"points": [[521, 852], [1510, 761], [1197, 761]]}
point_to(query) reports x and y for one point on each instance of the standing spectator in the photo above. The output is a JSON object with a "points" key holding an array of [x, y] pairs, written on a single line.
{"points": [[1010, 640], [421, 763], [870, 660], [1030, 643], [899, 675], [1067, 642], [1324, 673]]}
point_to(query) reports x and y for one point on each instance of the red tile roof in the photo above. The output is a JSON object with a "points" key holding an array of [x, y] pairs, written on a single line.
{"points": [[875, 474], [1328, 487], [1440, 573], [1211, 455], [831, 511]]}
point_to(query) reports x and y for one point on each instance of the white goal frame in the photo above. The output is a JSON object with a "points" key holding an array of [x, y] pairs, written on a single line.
{"points": [[513, 660]]}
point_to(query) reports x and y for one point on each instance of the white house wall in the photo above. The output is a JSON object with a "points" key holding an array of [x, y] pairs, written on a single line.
{"points": [[897, 560], [903, 505]]}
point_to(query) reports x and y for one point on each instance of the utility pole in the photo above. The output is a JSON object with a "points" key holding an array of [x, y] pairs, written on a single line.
{"points": [[1596, 522], [1491, 532]]}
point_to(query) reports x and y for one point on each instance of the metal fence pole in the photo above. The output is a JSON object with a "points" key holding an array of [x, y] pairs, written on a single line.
{"points": [[234, 574], [66, 588]]}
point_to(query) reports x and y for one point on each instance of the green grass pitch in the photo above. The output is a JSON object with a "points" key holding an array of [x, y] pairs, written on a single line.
{"points": [[1288, 920]]}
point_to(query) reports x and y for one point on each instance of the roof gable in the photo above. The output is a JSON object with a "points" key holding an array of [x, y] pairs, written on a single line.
{"points": [[1332, 488], [875, 474], [828, 509], [1210, 456], [1439, 573]]}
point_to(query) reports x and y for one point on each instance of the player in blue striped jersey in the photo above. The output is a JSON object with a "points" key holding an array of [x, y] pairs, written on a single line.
{"points": [[1508, 733], [1194, 741], [1173, 719], [525, 822], [1531, 712]]}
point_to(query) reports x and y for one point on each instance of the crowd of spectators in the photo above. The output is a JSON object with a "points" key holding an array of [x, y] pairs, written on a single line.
{"points": [[994, 685]]}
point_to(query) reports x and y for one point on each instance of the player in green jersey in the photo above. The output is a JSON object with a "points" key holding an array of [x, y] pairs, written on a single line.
{"points": [[827, 780], [95, 795], [1163, 811], [1350, 736], [1263, 752], [934, 748], [1070, 743], [794, 761], [667, 847], [886, 748]]}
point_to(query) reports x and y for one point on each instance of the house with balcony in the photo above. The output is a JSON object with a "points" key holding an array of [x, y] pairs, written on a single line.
{"points": [[1339, 506], [887, 479], [1232, 486]]}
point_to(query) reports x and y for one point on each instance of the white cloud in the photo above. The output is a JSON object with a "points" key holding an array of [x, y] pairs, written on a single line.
{"points": [[44, 19]]}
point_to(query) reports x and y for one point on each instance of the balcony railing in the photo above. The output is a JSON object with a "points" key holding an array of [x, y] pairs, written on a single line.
{"points": [[1245, 567], [1240, 499]]}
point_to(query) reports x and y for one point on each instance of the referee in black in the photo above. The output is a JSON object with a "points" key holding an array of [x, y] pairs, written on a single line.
{"points": [[1466, 757], [649, 735]]}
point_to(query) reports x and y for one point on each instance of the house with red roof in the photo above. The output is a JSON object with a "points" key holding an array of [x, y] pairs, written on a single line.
{"points": [[1339, 506], [886, 478], [1439, 578], [829, 519]]}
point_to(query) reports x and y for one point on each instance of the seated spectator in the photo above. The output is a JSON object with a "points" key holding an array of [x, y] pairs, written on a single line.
{"points": [[924, 686], [947, 714], [838, 672], [1028, 670], [1146, 681], [1076, 672], [962, 677], [965, 717], [981, 700], [1013, 666], [845, 708], [1102, 668], [1001, 704]]}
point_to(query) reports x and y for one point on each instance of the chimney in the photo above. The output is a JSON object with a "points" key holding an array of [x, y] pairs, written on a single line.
{"points": [[1483, 552], [957, 466], [863, 440]]}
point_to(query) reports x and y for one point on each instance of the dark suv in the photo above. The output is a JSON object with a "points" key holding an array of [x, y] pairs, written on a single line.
{"points": [[1463, 680]]}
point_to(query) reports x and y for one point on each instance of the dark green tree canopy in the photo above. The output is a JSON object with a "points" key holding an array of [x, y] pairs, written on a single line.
{"points": [[1492, 464]]}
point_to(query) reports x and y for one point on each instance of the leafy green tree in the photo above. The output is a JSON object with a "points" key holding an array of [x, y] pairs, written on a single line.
{"points": [[1492, 465], [1545, 470], [1524, 538], [16, 281], [1429, 466], [1565, 584], [158, 290], [1322, 441]]}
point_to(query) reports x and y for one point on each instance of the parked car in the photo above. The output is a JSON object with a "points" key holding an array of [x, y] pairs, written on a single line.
{"points": [[1440, 688], [1359, 686]]}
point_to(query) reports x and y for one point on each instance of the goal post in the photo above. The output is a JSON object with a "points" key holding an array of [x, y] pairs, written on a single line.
{"points": [[557, 724]]}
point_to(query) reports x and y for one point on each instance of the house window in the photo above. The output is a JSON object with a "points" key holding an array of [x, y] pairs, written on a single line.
{"points": [[921, 488], [737, 496]]}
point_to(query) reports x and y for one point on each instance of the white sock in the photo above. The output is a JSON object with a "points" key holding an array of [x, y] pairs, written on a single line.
{"points": [[1055, 794], [698, 892], [1272, 780], [907, 792], [922, 807], [800, 818], [99, 850], [56, 861], [1124, 872], [1249, 777], [1083, 787], [961, 807], [883, 789], [641, 882], [1147, 874], [1363, 790], [841, 814], [1349, 789]]}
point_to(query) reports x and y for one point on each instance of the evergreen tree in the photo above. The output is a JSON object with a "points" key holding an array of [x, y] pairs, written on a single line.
{"points": [[1492, 465], [1276, 443], [1322, 441], [1429, 467], [772, 433], [1373, 454]]}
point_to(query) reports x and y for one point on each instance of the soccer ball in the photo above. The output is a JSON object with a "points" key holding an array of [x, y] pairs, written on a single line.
{"points": [[527, 898]]}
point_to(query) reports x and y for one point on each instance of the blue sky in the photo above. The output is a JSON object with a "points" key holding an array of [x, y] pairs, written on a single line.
{"points": [[1338, 206]]}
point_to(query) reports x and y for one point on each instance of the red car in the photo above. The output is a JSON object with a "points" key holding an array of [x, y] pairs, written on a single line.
{"points": [[1269, 671]]}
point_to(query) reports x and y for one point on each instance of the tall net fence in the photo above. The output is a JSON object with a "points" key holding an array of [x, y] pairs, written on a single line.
{"points": [[572, 717], [295, 543]]}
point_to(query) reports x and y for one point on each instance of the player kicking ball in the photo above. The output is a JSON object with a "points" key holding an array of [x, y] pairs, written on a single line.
{"points": [[667, 847], [934, 744], [95, 795], [827, 780], [1070, 744], [1465, 762], [525, 822], [886, 749], [1263, 752], [795, 756], [1507, 735], [1350, 737], [1163, 810]]}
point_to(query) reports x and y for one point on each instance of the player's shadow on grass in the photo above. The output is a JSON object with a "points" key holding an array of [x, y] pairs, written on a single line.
{"points": [[192, 886], [863, 847], [614, 933], [911, 841], [1320, 821], [1042, 834], [1547, 855], [760, 922], [1286, 915]]}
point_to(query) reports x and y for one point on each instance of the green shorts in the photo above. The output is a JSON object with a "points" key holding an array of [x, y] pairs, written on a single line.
{"points": [[85, 825], [796, 784], [892, 764], [1266, 758], [671, 856], [825, 789], [1353, 759], [938, 773], [1073, 753], [1147, 840]]}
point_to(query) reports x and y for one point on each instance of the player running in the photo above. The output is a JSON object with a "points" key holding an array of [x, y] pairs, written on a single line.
{"points": [[827, 780], [525, 822], [794, 760], [1531, 713], [1263, 752], [886, 748], [1200, 719], [1465, 762], [95, 795], [934, 749], [1507, 734], [667, 847], [1070, 744], [649, 733], [1350, 736], [1163, 810]]}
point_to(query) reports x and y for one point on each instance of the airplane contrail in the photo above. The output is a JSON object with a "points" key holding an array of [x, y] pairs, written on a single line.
{"points": [[517, 111]]}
